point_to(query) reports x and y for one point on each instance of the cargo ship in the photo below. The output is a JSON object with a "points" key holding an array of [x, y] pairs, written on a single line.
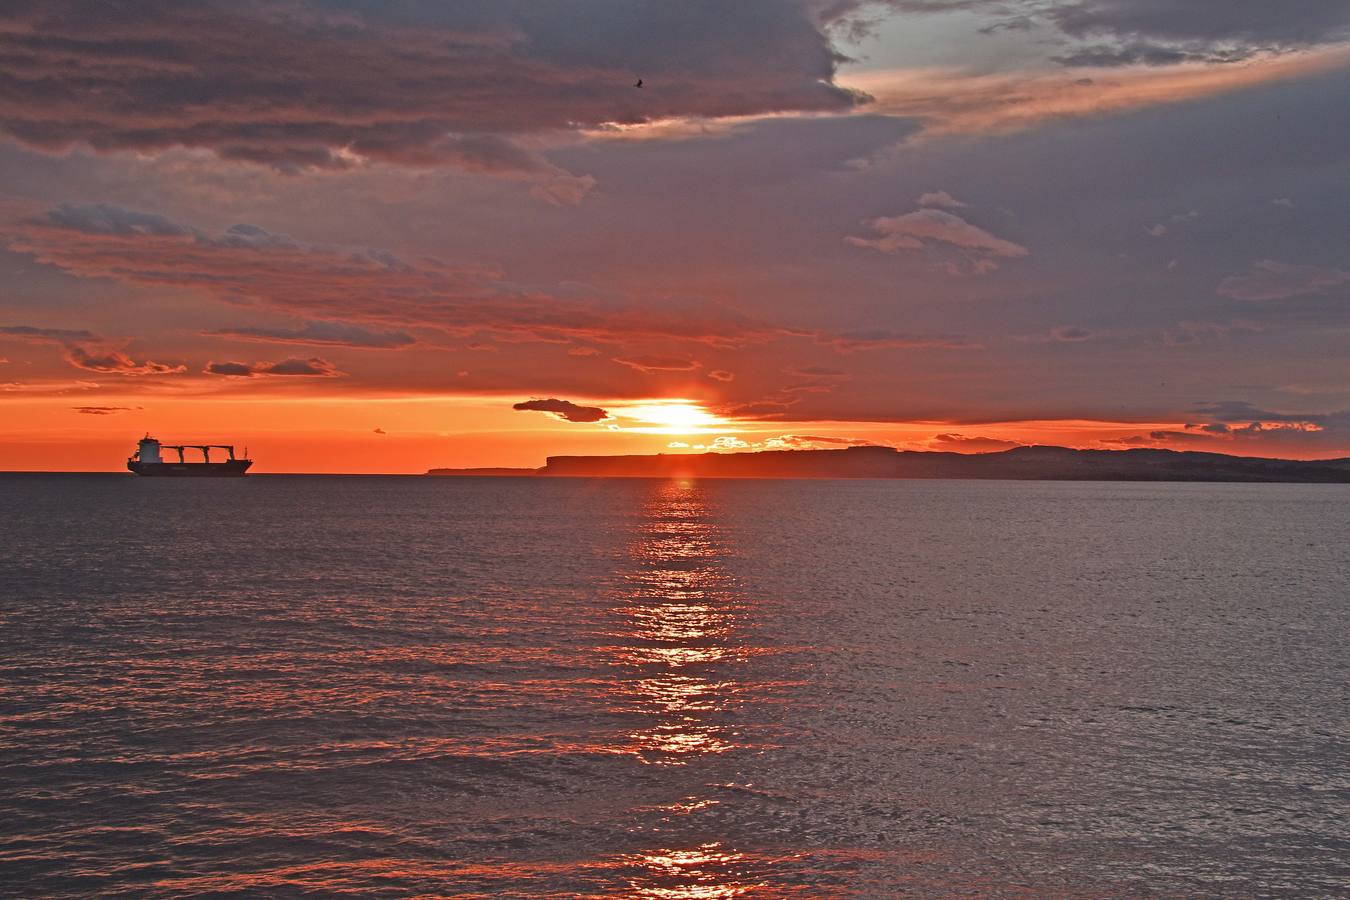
{"points": [[149, 460]]}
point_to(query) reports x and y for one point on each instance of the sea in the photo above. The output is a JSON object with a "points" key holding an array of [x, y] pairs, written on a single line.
{"points": [[310, 686]]}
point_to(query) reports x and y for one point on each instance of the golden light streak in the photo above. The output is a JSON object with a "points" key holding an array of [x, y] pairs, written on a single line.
{"points": [[960, 102]]}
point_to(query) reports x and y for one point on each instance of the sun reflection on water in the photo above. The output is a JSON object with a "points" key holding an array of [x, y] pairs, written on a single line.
{"points": [[696, 873], [679, 615], [682, 631]]}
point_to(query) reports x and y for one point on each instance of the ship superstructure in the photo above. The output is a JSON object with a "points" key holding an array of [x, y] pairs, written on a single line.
{"points": [[149, 460]]}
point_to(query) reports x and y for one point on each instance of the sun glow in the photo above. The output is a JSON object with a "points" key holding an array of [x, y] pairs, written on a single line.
{"points": [[670, 417]]}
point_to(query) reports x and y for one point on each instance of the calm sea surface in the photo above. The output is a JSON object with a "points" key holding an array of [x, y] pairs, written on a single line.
{"points": [[291, 686]]}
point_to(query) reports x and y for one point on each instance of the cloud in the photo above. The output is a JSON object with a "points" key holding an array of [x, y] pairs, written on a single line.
{"points": [[1230, 411], [112, 362], [1241, 421], [926, 228], [1144, 53], [318, 84], [1271, 280], [813, 442], [1070, 334], [1156, 230], [721, 375], [955, 101], [46, 335], [817, 372], [1215, 26], [564, 409], [314, 367], [885, 339], [105, 218], [940, 198], [329, 333], [650, 364], [84, 350], [380, 431], [249, 265], [970, 443], [564, 190], [1201, 332], [104, 410]]}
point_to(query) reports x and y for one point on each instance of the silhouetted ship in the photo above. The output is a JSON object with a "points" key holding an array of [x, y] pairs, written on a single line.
{"points": [[148, 460]]}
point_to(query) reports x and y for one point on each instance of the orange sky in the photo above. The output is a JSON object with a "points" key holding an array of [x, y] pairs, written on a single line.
{"points": [[409, 436], [934, 226]]}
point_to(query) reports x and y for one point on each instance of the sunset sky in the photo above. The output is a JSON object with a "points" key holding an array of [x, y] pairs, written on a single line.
{"points": [[388, 235]]}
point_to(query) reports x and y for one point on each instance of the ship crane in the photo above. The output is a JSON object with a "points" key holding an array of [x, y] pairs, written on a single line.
{"points": [[205, 448]]}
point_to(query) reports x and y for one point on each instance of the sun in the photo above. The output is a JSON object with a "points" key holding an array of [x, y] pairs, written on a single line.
{"points": [[670, 417]]}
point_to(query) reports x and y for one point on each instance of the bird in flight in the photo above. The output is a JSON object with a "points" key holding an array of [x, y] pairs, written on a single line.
{"points": [[639, 83]]}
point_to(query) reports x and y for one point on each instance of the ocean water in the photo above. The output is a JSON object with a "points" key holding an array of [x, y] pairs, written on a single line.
{"points": [[311, 686]]}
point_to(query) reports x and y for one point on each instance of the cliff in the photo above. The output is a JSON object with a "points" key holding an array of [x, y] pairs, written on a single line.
{"points": [[1043, 463]]}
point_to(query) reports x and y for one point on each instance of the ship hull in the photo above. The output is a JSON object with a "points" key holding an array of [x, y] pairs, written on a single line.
{"points": [[229, 469]]}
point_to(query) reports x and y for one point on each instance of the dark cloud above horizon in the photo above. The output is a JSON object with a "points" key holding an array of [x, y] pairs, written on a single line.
{"points": [[313, 367], [323, 83], [1256, 24], [53, 335], [1114, 33], [565, 410], [103, 410], [340, 334], [113, 362], [248, 264]]}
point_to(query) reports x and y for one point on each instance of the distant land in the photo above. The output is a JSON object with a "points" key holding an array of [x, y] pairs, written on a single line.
{"points": [[1032, 463]]}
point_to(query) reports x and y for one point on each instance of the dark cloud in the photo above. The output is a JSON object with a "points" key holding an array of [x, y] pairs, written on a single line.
{"points": [[112, 362], [82, 350], [885, 339], [1240, 411], [232, 369], [1242, 22], [105, 218], [313, 367], [335, 333], [47, 335], [1240, 421], [321, 83], [103, 410], [248, 265], [1158, 32], [1137, 53], [564, 409]]}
